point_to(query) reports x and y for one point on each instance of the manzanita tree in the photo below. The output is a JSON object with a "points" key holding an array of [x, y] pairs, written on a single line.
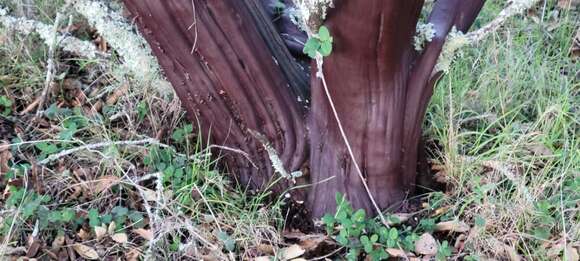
{"points": [[235, 71]]}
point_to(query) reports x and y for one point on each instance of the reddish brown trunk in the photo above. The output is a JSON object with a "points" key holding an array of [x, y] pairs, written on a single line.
{"points": [[230, 82], [240, 77], [381, 88], [367, 75]]}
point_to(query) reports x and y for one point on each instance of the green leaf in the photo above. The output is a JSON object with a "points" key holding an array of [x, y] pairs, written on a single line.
{"points": [[107, 218], [229, 243], [54, 216], [479, 221], [352, 254], [328, 220], [142, 109], [367, 244], [137, 219], [94, 217], [393, 234], [120, 211], [42, 217], [542, 232], [67, 215], [311, 47], [323, 34], [326, 48], [359, 216], [188, 128], [342, 239]]}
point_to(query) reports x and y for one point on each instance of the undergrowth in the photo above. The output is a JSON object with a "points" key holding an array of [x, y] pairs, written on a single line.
{"points": [[503, 125]]}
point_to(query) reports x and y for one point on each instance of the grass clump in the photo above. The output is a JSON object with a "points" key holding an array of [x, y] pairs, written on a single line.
{"points": [[506, 117]]}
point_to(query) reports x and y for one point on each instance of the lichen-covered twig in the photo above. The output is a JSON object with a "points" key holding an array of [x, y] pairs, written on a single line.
{"points": [[277, 163], [136, 53], [457, 40], [69, 44]]}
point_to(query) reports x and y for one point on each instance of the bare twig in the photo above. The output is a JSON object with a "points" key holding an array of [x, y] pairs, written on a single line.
{"points": [[50, 66], [96, 146], [194, 26]]}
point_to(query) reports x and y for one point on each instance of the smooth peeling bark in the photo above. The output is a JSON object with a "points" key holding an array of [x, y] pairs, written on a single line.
{"points": [[381, 88], [367, 74], [230, 82]]}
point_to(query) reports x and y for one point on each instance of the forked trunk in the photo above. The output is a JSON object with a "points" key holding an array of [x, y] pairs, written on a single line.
{"points": [[233, 74], [380, 86]]}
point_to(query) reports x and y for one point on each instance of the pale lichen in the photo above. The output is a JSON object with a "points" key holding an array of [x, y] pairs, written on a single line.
{"points": [[277, 163], [310, 14], [68, 43], [132, 47], [424, 34], [455, 41]]}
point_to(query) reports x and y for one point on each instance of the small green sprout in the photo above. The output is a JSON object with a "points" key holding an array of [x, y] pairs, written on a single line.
{"points": [[319, 43]]}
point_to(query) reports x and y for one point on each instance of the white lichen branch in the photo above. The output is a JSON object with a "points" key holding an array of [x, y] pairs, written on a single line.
{"points": [[68, 43], [132, 47], [457, 40]]}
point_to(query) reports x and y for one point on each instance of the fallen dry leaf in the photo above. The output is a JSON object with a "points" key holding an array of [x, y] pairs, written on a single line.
{"points": [[395, 252], [112, 99], [33, 247], [120, 238], [571, 253], [5, 157], [426, 245], [86, 252], [146, 234], [105, 182], [12, 251], [83, 235], [111, 229], [100, 232], [575, 47], [149, 194], [452, 226], [133, 254], [266, 249], [291, 252], [567, 4], [400, 218], [311, 242]]}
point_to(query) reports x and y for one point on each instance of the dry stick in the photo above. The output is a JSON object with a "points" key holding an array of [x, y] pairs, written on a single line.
{"points": [[194, 25], [50, 66], [61, 154], [320, 75]]}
